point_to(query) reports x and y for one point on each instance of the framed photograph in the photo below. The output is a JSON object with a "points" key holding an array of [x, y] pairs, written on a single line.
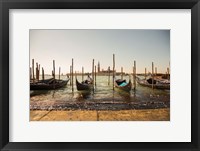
{"points": [[97, 75]]}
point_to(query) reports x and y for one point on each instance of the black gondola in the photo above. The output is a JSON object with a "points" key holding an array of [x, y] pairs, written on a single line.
{"points": [[48, 84], [123, 85], [157, 83], [85, 85]]}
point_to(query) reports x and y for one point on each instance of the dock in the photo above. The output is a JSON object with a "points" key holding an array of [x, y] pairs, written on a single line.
{"points": [[93, 115]]}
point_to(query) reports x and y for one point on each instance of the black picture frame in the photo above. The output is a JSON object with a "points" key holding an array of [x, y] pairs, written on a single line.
{"points": [[5, 5]]}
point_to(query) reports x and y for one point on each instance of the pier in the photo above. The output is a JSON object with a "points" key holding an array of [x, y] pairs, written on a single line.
{"points": [[84, 115]]}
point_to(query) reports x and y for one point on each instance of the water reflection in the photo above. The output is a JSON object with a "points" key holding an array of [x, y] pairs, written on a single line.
{"points": [[84, 95]]}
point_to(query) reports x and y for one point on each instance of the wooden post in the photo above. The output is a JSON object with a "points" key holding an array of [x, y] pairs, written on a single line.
{"points": [[168, 74], [113, 71], [33, 70], [155, 71], [95, 76], [54, 69], [39, 72], [72, 75], [145, 74], [82, 73], [93, 73], [169, 70], [42, 73], [121, 72], [59, 73], [109, 75], [93, 69], [54, 74], [30, 73], [152, 74], [134, 74], [36, 71]]}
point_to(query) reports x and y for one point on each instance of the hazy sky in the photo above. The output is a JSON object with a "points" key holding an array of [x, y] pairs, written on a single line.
{"points": [[144, 46]]}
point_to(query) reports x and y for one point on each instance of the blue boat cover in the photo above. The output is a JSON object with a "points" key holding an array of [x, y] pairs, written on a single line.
{"points": [[123, 84]]}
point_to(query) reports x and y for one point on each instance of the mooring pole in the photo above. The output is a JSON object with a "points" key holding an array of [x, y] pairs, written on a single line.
{"points": [[134, 74], [113, 71], [168, 73], [36, 70], [145, 74], [121, 72], [42, 73], [33, 70], [54, 69], [155, 71], [59, 72], [93, 69], [169, 70], [152, 75], [72, 75], [82, 73], [95, 76], [54, 74], [39, 72], [109, 75], [30, 72]]}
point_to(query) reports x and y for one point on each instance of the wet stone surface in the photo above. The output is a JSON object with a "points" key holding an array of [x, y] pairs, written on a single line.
{"points": [[101, 106]]}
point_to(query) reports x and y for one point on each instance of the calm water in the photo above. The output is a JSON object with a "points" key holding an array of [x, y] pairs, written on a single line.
{"points": [[102, 98]]}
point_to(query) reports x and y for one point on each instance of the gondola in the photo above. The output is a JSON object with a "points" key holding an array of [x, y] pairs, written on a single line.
{"points": [[123, 85], [86, 85], [48, 84], [157, 83]]}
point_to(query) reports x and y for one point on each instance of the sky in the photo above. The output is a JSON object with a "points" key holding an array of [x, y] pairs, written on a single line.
{"points": [[143, 46]]}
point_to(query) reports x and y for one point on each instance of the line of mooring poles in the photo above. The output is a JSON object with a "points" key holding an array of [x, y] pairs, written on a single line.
{"points": [[34, 77]]}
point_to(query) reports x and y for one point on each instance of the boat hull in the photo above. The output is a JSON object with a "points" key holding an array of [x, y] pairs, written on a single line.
{"points": [[126, 88], [155, 86], [83, 87], [48, 86]]}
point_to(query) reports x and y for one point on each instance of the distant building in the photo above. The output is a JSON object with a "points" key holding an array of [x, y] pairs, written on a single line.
{"points": [[105, 72]]}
